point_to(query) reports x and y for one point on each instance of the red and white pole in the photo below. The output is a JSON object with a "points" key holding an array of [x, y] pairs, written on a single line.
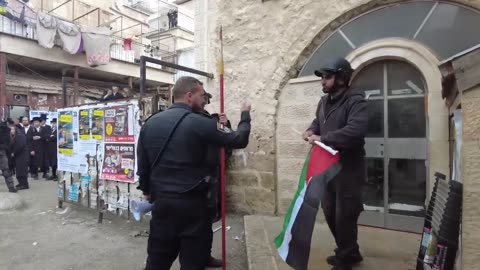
{"points": [[222, 156]]}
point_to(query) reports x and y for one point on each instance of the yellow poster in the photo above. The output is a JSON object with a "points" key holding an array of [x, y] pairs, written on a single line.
{"points": [[97, 124]]}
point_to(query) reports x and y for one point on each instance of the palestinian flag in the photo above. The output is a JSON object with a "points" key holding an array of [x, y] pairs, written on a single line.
{"points": [[293, 243]]}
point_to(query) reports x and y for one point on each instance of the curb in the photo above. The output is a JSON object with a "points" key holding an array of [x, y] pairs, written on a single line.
{"points": [[259, 252]]}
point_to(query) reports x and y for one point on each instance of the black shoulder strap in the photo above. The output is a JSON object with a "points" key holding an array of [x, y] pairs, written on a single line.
{"points": [[170, 135]]}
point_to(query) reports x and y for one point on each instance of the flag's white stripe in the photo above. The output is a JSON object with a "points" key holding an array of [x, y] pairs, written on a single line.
{"points": [[284, 248], [326, 148]]}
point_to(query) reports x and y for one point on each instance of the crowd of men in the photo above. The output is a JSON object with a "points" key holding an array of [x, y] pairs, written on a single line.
{"points": [[28, 146]]}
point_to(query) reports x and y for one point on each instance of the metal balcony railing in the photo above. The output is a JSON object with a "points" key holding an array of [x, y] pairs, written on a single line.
{"points": [[119, 49]]}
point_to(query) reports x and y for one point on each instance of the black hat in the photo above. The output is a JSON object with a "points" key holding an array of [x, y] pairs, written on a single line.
{"points": [[43, 116], [36, 119], [54, 120], [21, 118], [335, 66]]}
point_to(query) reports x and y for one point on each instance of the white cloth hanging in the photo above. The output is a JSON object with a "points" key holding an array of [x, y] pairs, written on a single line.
{"points": [[70, 35], [96, 42], [46, 30]]}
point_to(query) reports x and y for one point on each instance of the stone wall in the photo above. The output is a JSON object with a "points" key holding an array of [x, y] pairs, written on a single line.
{"points": [[471, 178], [296, 110], [265, 45]]}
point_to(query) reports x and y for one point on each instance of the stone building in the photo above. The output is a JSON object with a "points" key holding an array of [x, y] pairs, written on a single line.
{"points": [[399, 50]]}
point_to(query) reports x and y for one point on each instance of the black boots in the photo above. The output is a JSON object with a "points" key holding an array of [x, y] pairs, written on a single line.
{"points": [[215, 263]]}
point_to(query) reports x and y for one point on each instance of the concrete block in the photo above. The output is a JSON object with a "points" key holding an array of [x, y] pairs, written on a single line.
{"points": [[296, 112], [234, 194], [297, 149], [260, 200], [471, 118], [259, 252], [267, 180], [256, 161], [471, 166], [289, 166], [243, 178], [287, 129]]}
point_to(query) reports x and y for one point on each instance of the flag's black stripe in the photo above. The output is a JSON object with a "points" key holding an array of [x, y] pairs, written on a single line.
{"points": [[302, 229]]}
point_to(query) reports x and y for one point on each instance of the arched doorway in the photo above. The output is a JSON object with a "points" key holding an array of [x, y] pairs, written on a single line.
{"points": [[397, 65], [396, 144]]}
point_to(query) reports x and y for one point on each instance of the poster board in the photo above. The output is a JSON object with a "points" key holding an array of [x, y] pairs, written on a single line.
{"points": [[106, 132]]}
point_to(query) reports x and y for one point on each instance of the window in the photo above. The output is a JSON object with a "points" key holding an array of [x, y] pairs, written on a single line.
{"points": [[446, 28]]}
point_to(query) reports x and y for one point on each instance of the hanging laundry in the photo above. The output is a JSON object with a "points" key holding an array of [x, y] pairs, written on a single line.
{"points": [[70, 35], [127, 44], [20, 12], [80, 49], [46, 30], [96, 42]]}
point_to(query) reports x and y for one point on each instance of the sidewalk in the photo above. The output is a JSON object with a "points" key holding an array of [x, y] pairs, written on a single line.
{"points": [[36, 235], [381, 249]]}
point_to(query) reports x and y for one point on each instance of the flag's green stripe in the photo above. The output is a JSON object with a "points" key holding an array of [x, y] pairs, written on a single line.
{"points": [[301, 184]]}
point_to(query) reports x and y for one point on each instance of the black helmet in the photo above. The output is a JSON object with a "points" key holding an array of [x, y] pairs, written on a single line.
{"points": [[336, 66], [208, 96]]}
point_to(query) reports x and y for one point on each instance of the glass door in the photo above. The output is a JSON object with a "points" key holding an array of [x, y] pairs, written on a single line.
{"points": [[396, 145]]}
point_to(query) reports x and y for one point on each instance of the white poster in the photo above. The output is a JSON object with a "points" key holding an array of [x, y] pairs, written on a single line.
{"points": [[78, 146], [50, 115]]}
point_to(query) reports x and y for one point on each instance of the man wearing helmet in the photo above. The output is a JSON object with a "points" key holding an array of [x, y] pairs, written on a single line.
{"points": [[341, 122]]}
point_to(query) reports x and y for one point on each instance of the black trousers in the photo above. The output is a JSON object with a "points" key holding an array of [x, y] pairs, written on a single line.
{"points": [[22, 180], [342, 205], [33, 166], [180, 226]]}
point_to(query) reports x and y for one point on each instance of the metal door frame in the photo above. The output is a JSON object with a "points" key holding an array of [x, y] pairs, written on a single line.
{"points": [[386, 219]]}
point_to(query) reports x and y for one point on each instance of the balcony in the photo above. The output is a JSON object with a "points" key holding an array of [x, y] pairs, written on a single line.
{"points": [[118, 48], [20, 40]]}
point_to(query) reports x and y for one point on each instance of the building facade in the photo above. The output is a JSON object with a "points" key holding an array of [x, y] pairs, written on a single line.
{"points": [[271, 49], [32, 74]]}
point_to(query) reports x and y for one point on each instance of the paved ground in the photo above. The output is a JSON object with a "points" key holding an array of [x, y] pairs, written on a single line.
{"points": [[382, 249], [39, 236]]}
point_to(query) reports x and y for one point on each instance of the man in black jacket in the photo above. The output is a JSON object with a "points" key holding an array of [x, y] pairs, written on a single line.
{"points": [[171, 152], [4, 154], [51, 149], [45, 131], [34, 134], [341, 122]]}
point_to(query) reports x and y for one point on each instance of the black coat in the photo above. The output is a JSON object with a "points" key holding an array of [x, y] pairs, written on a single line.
{"points": [[51, 150], [19, 151], [46, 131], [36, 146], [4, 137], [342, 123], [182, 164]]}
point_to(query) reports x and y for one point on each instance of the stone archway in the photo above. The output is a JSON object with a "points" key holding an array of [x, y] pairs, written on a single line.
{"points": [[298, 92], [262, 54]]}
